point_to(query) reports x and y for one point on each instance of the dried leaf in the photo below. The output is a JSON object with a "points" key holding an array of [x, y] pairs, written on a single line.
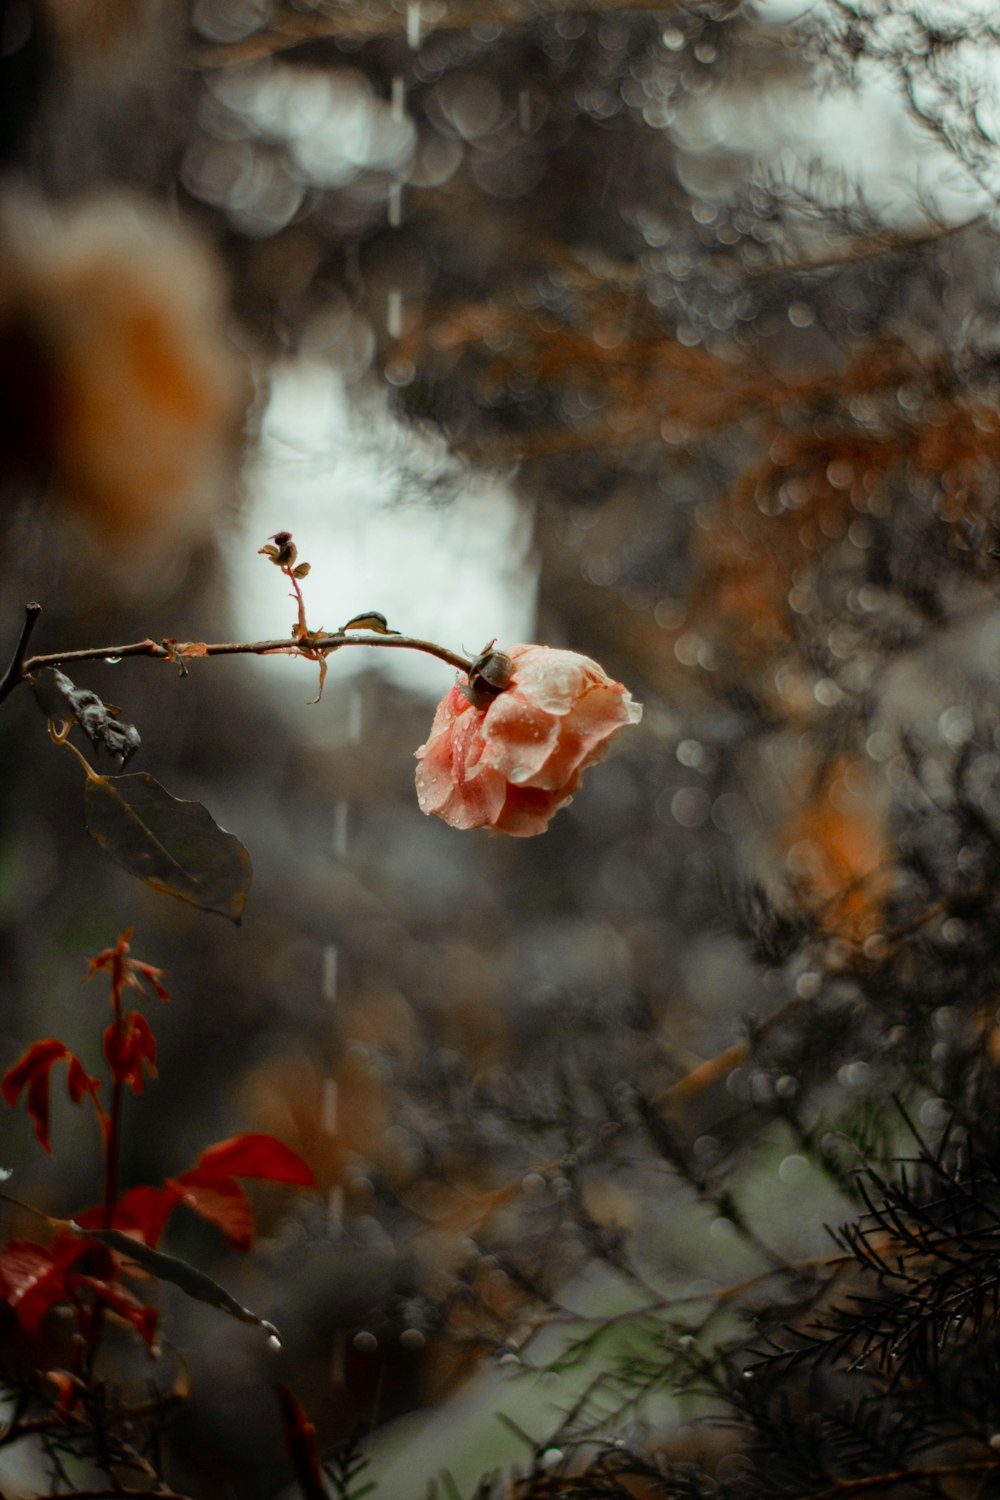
{"points": [[171, 1268], [179, 652], [174, 846], [59, 698]]}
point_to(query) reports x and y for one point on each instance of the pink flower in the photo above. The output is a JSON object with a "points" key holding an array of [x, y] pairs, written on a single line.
{"points": [[509, 758]]}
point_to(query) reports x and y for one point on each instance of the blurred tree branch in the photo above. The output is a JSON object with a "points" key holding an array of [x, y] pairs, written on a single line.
{"points": [[293, 29]]}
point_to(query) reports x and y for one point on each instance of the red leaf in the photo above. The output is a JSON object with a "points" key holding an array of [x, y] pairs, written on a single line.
{"points": [[142, 1211], [130, 1048], [255, 1156], [22, 1263], [126, 972], [33, 1073], [35, 1278], [123, 1302], [40, 1055], [146, 1210], [220, 1200], [79, 1081], [150, 974], [37, 1104], [110, 958]]}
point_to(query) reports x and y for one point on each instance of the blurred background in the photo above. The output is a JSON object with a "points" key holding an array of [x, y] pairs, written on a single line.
{"points": [[668, 336]]}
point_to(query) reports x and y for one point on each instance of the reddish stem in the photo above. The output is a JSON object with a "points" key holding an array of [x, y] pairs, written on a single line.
{"points": [[303, 628], [112, 1128]]}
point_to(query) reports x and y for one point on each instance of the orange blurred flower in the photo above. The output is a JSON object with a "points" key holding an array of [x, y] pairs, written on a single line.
{"points": [[837, 853], [118, 387]]}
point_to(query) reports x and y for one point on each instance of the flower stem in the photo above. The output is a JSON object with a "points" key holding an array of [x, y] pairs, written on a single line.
{"points": [[303, 628], [112, 1142], [113, 1124]]}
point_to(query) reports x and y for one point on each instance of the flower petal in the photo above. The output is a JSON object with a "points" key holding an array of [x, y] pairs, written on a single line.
{"points": [[528, 810], [453, 780], [520, 737], [513, 763]]}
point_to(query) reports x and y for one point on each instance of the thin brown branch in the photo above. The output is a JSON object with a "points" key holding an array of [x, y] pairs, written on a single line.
{"points": [[565, 1316], [117, 1493], [292, 29], [867, 247], [723, 1063], [15, 669], [30, 1428], [309, 647], [503, 450], [842, 1487], [599, 272]]}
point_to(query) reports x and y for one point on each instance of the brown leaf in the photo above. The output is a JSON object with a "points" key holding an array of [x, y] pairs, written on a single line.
{"points": [[174, 846]]}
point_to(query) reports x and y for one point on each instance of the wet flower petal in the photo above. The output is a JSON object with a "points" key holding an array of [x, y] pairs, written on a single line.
{"points": [[512, 764]]}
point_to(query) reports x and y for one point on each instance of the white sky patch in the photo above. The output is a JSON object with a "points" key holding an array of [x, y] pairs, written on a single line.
{"points": [[458, 571], [865, 133]]}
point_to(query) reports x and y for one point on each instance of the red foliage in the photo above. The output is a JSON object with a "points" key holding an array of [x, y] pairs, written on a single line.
{"points": [[32, 1073], [130, 1047], [35, 1278], [220, 1200], [143, 1211], [256, 1155], [126, 973], [210, 1190], [118, 1299]]}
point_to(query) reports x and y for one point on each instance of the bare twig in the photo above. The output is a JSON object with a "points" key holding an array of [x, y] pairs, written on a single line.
{"points": [[308, 646], [117, 1493], [854, 1486], [290, 28], [15, 671], [867, 247]]}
